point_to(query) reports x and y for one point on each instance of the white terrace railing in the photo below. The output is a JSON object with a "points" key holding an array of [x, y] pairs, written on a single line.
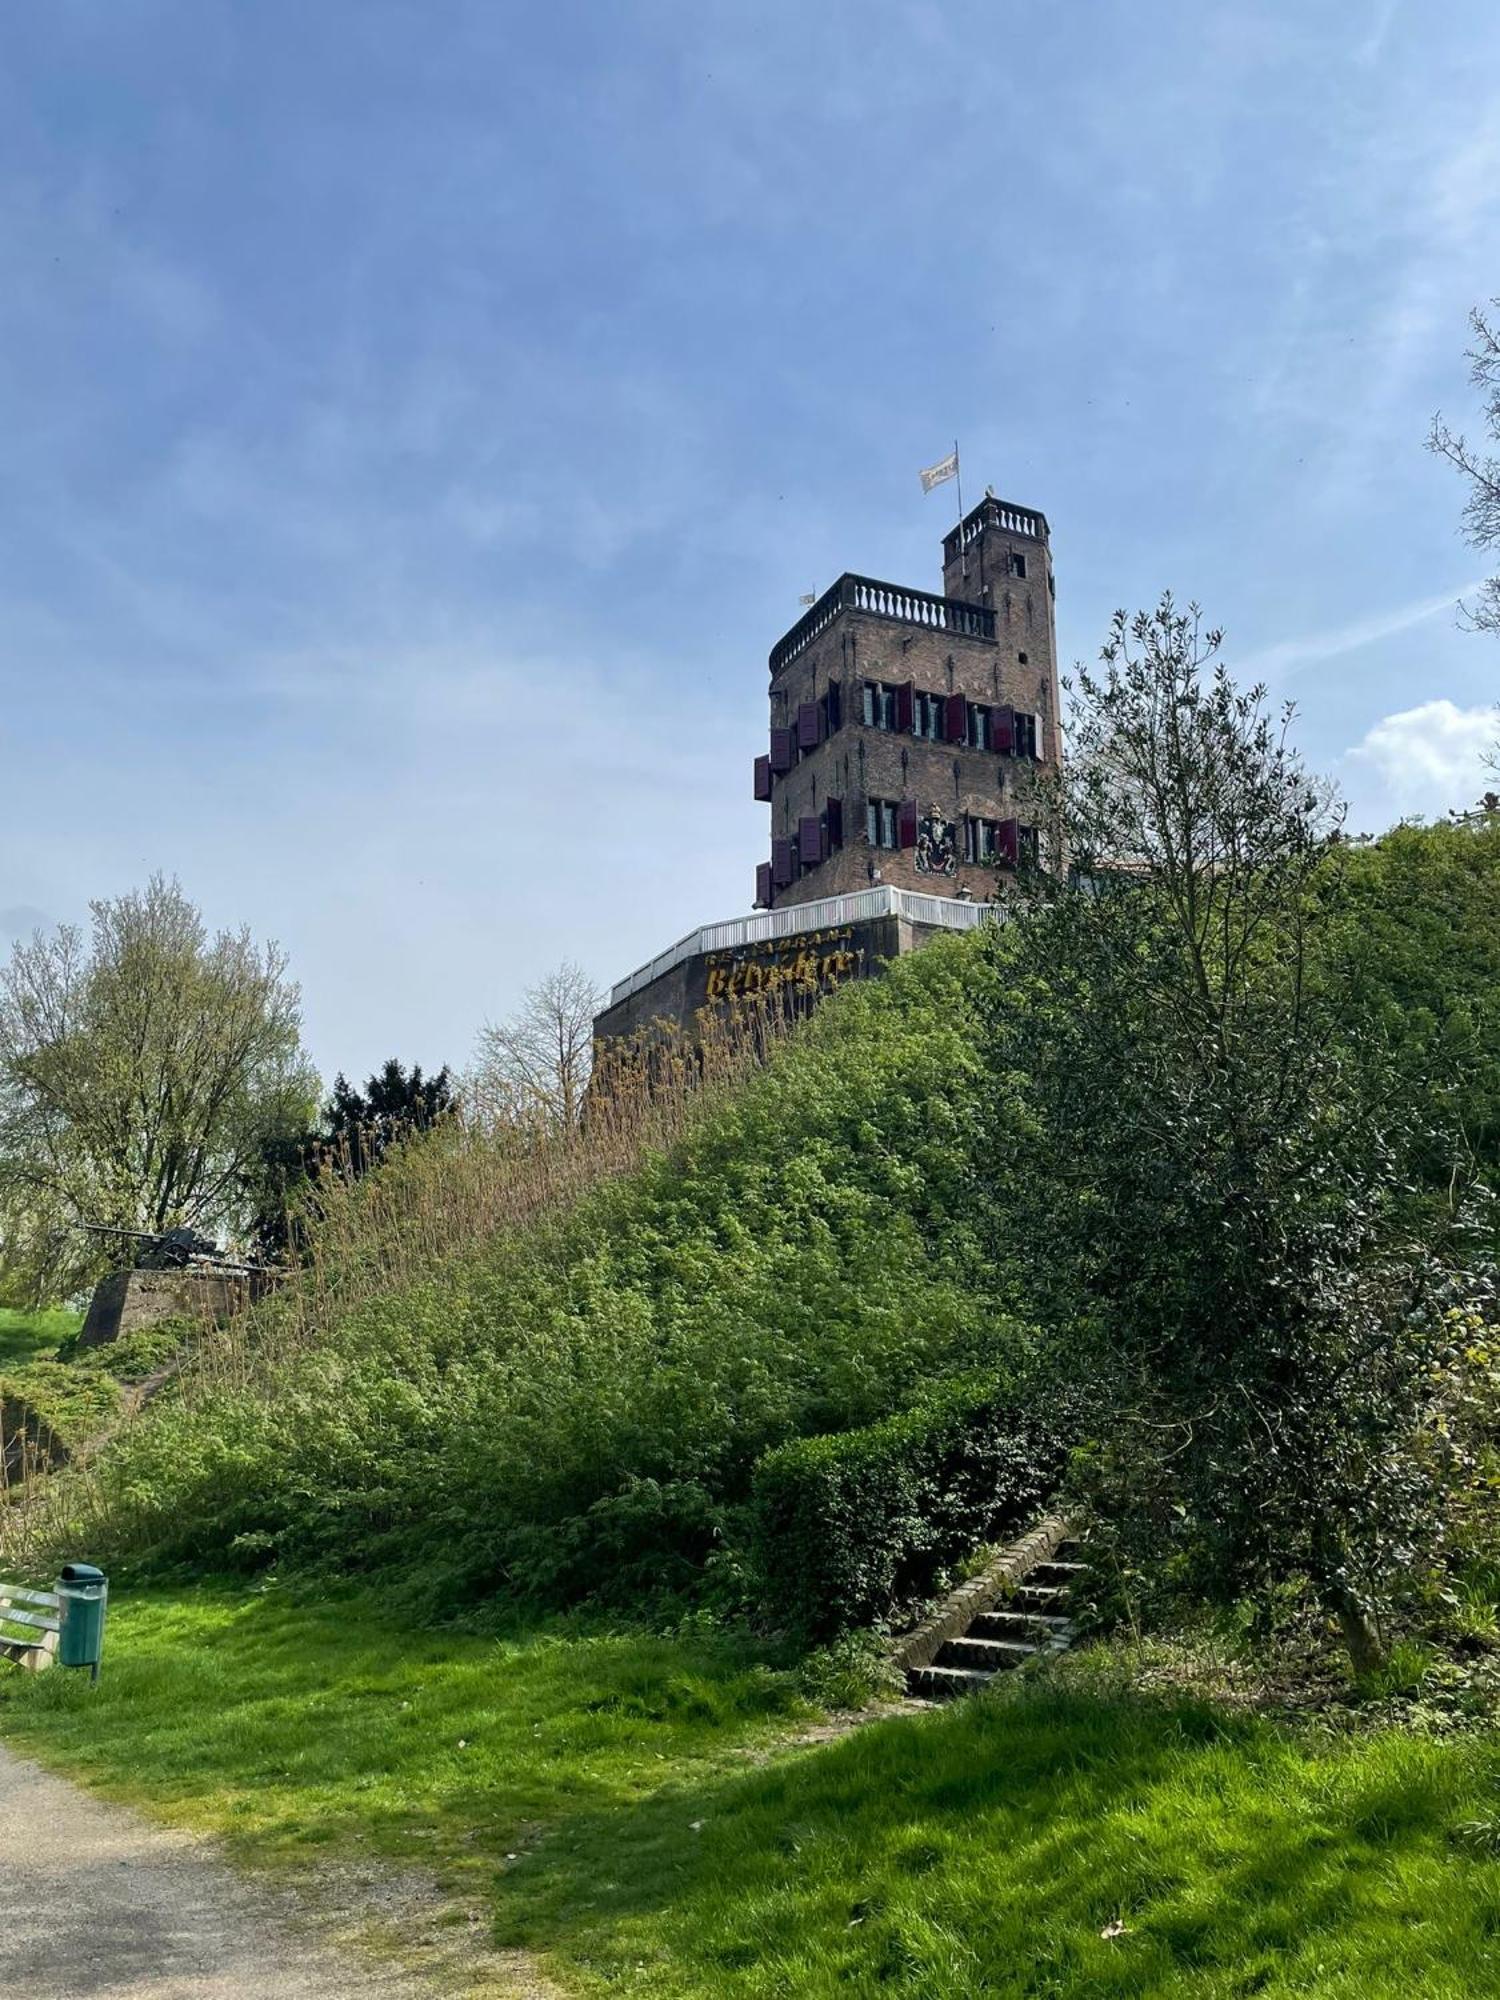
{"points": [[863, 906]]}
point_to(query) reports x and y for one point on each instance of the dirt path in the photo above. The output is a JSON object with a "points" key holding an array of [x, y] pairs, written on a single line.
{"points": [[96, 1904]]}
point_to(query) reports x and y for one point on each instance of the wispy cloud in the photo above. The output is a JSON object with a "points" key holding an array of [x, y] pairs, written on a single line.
{"points": [[1285, 655], [1431, 758]]}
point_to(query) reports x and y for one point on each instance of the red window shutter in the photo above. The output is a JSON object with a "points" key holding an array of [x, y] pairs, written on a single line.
{"points": [[955, 718], [905, 695], [833, 813], [763, 890], [781, 863], [833, 701], [782, 753], [1003, 730], [1008, 843], [906, 824], [810, 841], [809, 732], [763, 777]]}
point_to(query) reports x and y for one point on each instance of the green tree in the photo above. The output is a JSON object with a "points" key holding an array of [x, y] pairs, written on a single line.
{"points": [[358, 1129], [1203, 1173], [142, 1071]]}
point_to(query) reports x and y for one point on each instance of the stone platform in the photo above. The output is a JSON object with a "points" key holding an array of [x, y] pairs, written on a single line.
{"points": [[126, 1301]]}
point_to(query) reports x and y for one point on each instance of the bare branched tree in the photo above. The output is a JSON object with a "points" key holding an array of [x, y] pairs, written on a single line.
{"points": [[535, 1067], [142, 1070], [1481, 468]]}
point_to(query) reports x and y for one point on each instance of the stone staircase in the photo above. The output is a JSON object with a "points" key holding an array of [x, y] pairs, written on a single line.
{"points": [[1027, 1615]]}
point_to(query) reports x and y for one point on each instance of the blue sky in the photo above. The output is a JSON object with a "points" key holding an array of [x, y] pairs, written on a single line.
{"points": [[420, 419]]}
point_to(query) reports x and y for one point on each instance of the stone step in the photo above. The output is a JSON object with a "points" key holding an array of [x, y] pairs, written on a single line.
{"points": [[992, 1655], [1041, 1625], [1055, 1572], [943, 1682], [1035, 1597]]}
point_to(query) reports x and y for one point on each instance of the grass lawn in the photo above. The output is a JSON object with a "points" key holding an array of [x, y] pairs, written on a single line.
{"points": [[596, 1790], [33, 1336]]}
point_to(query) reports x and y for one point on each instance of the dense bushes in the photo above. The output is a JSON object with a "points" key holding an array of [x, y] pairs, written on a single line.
{"points": [[852, 1528], [580, 1407], [1417, 918], [574, 1402]]}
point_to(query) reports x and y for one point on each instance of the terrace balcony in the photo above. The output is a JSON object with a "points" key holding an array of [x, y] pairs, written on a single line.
{"points": [[992, 513], [858, 906], [891, 601]]}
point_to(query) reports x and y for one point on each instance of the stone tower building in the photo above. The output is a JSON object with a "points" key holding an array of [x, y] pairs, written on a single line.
{"points": [[906, 726]]}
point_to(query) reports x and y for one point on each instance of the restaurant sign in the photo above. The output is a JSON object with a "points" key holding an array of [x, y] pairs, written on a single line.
{"points": [[811, 963]]}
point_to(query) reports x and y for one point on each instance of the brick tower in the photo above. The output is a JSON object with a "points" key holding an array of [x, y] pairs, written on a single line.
{"points": [[906, 727]]}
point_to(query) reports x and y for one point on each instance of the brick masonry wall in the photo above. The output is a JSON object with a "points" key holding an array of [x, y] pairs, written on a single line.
{"points": [[857, 763]]}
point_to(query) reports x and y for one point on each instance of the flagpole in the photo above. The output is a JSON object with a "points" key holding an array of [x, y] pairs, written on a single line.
{"points": [[959, 479]]}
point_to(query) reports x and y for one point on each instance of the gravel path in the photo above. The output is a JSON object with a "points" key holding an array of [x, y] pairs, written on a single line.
{"points": [[95, 1904]]}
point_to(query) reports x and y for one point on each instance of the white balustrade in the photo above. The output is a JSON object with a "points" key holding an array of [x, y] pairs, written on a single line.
{"points": [[861, 906]]}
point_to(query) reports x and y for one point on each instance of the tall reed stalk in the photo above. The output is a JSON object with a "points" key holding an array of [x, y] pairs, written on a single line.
{"points": [[476, 1178]]}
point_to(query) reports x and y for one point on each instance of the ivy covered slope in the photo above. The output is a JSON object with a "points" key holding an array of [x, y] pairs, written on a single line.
{"points": [[577, 1410]]}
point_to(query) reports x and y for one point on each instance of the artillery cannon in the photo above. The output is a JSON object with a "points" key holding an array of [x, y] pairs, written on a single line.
{"points": [[180, 1249], [173, 1272]]}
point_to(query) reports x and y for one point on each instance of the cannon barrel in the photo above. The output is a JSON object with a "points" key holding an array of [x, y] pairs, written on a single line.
{"points": [[171, 1249]]}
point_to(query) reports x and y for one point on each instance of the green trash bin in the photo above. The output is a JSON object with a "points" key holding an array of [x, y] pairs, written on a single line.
{"points": [[84, 1592]]}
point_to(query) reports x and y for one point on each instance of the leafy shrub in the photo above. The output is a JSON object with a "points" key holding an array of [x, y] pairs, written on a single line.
{"points": [[849, 1672], [62, 1404], [51, 1405], [574, 1406], [852, 1528], [136, 1356], [650, 1540]]}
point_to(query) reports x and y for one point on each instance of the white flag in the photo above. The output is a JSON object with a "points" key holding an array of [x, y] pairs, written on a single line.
{"points": [[808, 597], [946, 468]]}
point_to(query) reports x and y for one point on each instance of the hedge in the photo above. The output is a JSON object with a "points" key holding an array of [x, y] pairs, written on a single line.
{"points": [[855, 1528]]}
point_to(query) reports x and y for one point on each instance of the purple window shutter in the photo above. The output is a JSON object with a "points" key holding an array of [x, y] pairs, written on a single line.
{"points": [[904, 699], [781, 863], [1003, 730], [763, 777], [1008, 843], [906, 824], [809, 735], [810, 842], [763, 890], [833, 812], [834, 701], [782, 753], [955, 718]]}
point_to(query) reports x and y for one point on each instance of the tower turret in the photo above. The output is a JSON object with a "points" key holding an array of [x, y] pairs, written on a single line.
{"points": [[907, 727]]}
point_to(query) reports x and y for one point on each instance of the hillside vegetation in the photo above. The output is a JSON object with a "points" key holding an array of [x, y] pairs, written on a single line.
{"points": [[535, 1501], [575, 1405]]}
